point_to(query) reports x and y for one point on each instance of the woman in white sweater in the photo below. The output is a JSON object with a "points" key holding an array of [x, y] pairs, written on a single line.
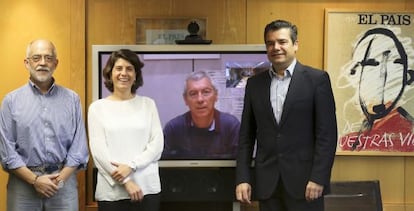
{"points": [[126, 139]]}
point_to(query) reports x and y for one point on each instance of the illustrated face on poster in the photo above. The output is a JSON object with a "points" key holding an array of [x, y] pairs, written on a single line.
{"points": [[381, 63], [373, 87]]}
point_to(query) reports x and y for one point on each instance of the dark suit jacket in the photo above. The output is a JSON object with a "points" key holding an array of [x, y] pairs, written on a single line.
{"points": [[301, 147]]}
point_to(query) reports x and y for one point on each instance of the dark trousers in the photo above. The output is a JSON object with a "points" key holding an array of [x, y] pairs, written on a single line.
{"points": [[151, 202], [282, 201]]}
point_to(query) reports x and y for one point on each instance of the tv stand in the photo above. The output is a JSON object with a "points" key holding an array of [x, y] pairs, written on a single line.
{"points": [[198, 188]]}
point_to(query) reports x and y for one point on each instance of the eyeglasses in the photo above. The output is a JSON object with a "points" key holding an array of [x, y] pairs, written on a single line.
{"points": [[38, 58], [204, 92]]}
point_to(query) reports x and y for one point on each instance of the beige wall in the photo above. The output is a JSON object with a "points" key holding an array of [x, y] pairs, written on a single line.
{"points": [[229, 22]]}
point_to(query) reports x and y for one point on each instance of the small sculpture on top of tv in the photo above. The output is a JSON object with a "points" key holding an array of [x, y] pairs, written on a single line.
{"points": [[193, 37]]}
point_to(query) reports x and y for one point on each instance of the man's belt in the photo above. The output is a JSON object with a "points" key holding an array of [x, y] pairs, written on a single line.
{"points": [[46, 169]]}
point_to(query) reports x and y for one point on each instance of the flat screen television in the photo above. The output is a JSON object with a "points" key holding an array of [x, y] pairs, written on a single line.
{"points": [[165, 70]]}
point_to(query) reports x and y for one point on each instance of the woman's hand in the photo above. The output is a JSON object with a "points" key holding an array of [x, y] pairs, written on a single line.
{"points": [[121, 171], [134, 191]]}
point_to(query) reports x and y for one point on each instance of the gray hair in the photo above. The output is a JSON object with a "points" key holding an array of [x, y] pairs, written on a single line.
{"points": [[29, 47], [196, 76]]}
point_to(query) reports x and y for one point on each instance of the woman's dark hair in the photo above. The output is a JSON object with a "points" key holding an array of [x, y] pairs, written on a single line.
{"points": [[279, 24], [129, 56]]}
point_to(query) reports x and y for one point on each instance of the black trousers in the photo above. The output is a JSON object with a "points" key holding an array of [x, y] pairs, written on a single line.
{"points": [[282, 201], [150, 202]]}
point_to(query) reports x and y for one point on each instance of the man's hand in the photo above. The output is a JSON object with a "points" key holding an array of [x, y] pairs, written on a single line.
{"points": [[121, 171], [134, 191], [313, 191], [244, 192], [64, 174], [45, 185]]}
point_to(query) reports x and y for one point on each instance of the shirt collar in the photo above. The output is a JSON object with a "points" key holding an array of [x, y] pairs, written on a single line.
{"points": [[211, 128], [49, 91], [289, 70], [215, 125]]}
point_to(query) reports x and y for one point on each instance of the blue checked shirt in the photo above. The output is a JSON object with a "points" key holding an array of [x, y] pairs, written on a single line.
{"points": [[38, 129]]}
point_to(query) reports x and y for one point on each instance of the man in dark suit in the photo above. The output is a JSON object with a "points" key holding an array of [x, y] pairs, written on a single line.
{"points": [[289, 113]]}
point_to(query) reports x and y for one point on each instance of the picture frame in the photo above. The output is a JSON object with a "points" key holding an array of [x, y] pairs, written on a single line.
{"points": [[370, 58], [161, 31]]}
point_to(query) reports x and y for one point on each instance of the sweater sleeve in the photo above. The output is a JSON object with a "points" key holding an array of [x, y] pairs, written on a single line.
{"points": [[155, 143], [98, 145]]}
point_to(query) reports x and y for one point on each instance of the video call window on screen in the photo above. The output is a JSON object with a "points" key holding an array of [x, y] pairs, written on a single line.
{"points": [[164, 73]]}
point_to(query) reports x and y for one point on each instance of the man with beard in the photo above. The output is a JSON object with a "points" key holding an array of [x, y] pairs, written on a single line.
{"points": [[43, 139]]}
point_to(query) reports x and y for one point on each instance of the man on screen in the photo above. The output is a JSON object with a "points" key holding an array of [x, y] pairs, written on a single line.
{"points": [[202, 132]]}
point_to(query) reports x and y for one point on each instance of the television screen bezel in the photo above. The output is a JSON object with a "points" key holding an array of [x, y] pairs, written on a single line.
{"points": [[98, 50]]}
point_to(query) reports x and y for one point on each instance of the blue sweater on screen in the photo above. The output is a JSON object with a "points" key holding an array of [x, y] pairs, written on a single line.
{"points": [[183, 140]]}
